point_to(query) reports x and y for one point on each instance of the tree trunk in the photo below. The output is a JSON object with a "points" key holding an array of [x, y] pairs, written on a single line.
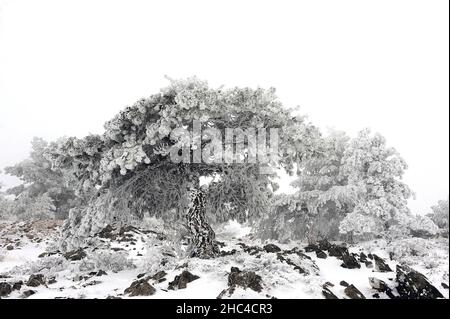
{"points": [[203, 237]]}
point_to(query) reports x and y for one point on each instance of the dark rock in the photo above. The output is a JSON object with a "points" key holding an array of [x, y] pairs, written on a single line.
{"points": [[17, 285], [101, 273], [140, 275], [311, 248], [327, 284], [344, 283], [52, 281], [252, 250], [413, 285], [9, 247], [324, 244], [75, 254], [349, 261], [46, 254], [224, 253], [36, 280], [107, 232], [328, 294], [370, 256], [381, 286], [337, 251], [159, 276], [369, 264], [271, 248], [444, 285], [321, 254], [28, 293], [353, 292], [362, 257], [244, 279], [380, 264], [140, 288], [376, 296], [181, 281], [113, 297], [5, 289]]}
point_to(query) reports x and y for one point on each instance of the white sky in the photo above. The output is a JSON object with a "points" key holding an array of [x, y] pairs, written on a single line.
{"points": [[68, 66]]}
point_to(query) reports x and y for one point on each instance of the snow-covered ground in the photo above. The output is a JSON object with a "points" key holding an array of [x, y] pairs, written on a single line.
{"points": [[135, 254]]}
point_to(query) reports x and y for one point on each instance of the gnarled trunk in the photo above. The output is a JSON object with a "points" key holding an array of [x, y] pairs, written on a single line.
{"points": [[203, 237]]}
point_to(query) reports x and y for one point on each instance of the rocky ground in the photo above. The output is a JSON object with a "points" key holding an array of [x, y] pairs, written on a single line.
{"points": [[140, 262]]}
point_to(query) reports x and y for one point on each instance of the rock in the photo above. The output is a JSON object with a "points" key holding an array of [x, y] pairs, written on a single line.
{"points": [[159, 276], [369, 264], [140, 288], [75, 254], [36, 280], [224, 253], [328, 294], [349, 261], [344, 283], [327, 284], [337, 251], [52, 281], [244, 279], [101, 273], [113, 297], [413, 285], [271, 248], [9, 247], [5, 289], [107, 232], [376, 296], [181, 281], [324, 244], [140, 275], [362, 257], [370, 256], [311, 248], [444, 285], [321, 254], [17, 285], [28, 293], [353, 292], [380, 264], [381, 286]]}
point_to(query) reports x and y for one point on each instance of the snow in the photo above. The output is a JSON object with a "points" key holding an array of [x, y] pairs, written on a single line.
{"points": [[279, 279]]}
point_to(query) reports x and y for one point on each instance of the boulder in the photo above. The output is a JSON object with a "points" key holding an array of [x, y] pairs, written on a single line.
{"points": [[181, 281], [244, 279], [272, 248], [413, 285], [75, 254], [344, 283], [36, 280], [28, 293], [380, 264], [140, 288], [353, 292], [381, 286], [337, 251], [326, 292], [5, 289], [349, 261], [321, 254], [444, 285]]}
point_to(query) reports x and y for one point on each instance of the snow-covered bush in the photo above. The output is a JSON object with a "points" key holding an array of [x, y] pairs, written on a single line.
{"points": [[110, 260], [159, 258], [422, 226], [48, 266]]}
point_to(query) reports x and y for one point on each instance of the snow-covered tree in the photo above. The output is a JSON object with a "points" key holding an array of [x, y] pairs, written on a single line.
{"points": [[133, 169], [41, 183], [440, 215], [377, 171]]}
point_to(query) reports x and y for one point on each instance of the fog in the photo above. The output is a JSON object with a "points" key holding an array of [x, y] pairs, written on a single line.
{"points": [[66, 67]]}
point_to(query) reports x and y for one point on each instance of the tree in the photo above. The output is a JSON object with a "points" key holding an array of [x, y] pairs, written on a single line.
{"points": [[42, 185], [153, 155], [323, 198], [440, 215], [377, 171]]}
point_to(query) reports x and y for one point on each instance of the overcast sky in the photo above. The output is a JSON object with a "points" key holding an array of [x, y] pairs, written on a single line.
{"points": [[68, 66]]}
